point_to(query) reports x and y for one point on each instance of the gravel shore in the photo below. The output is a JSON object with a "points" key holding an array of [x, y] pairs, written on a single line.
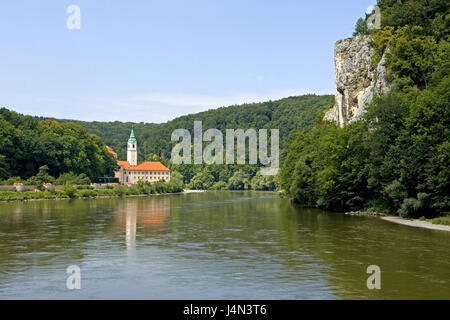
{"points": [[417, 223]]}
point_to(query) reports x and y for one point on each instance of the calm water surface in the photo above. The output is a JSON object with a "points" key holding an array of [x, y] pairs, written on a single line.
{"points": [[224, 245]]}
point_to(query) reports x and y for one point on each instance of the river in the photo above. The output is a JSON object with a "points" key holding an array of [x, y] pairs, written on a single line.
{"points": [[215, 245]]}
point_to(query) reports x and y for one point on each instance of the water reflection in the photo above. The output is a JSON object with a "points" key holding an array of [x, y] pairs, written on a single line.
{"points": [[149, 214], [130, 228], [222, 245]]}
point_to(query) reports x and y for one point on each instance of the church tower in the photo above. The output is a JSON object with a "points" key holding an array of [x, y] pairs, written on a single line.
{"points": [[132, 149]]}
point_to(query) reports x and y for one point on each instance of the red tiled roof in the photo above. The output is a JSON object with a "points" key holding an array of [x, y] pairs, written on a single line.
{"points": [[143, 166], [110, 150]]}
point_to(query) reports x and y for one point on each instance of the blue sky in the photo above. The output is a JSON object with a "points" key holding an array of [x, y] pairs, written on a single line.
{"points": [[151, 61]]}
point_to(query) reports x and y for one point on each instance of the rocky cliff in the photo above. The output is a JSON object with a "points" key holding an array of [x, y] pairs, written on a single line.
{"points": [[357, 81]]}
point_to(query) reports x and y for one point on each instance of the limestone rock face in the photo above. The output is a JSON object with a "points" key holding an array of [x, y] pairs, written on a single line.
{"points": [[357, 81]]}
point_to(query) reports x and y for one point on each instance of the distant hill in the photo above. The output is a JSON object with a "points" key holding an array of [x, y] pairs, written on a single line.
{"points": [[290, 115]]}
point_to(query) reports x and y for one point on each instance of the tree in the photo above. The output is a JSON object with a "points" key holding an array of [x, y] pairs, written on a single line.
{"points": [[70, 190], [431, 15], [263, 183], [202, 180], [4, 169], [42, 177], [220, 185], [361, 27], [28, 144], [176, 180], [81, 179], [239, 181]]}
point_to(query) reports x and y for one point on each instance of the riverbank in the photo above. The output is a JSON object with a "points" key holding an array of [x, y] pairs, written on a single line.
{"points": [[416, 223], [432, 224], [14, 196], [64, 197], [87, 192], [194, 191], [26, 196]]}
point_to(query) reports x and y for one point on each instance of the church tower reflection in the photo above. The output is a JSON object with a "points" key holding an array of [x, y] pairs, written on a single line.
{"points": [[144, 214], [130, 228]]}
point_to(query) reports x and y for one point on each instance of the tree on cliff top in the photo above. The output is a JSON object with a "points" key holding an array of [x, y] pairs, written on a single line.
{"points": [[432, 15]]}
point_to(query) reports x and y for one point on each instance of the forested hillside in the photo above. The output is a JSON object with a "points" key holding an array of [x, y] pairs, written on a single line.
{"points": [[48, 149], [396, 159], [290, 115], [65, 146]]}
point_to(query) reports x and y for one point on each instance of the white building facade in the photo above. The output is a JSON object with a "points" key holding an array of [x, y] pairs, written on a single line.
{"points": [[132, 170]]}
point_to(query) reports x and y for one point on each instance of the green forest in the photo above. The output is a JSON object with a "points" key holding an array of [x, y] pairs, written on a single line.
{"points": [[397, 159], [289, 115], [36, 149]]}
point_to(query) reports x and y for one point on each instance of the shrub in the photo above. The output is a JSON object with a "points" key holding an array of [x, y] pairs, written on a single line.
{"points": [[264, 183], [42, 177], [70, 190], [441, 220], [220, 185], [120, 191], [85, 187], [71, 177], [239, 181], [396, 193], [11, 181], [86, 193], [409, 207], [160, 187]]}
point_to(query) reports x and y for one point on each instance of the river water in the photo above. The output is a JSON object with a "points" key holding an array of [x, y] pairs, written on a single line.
{"points": [[216, 245]]}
